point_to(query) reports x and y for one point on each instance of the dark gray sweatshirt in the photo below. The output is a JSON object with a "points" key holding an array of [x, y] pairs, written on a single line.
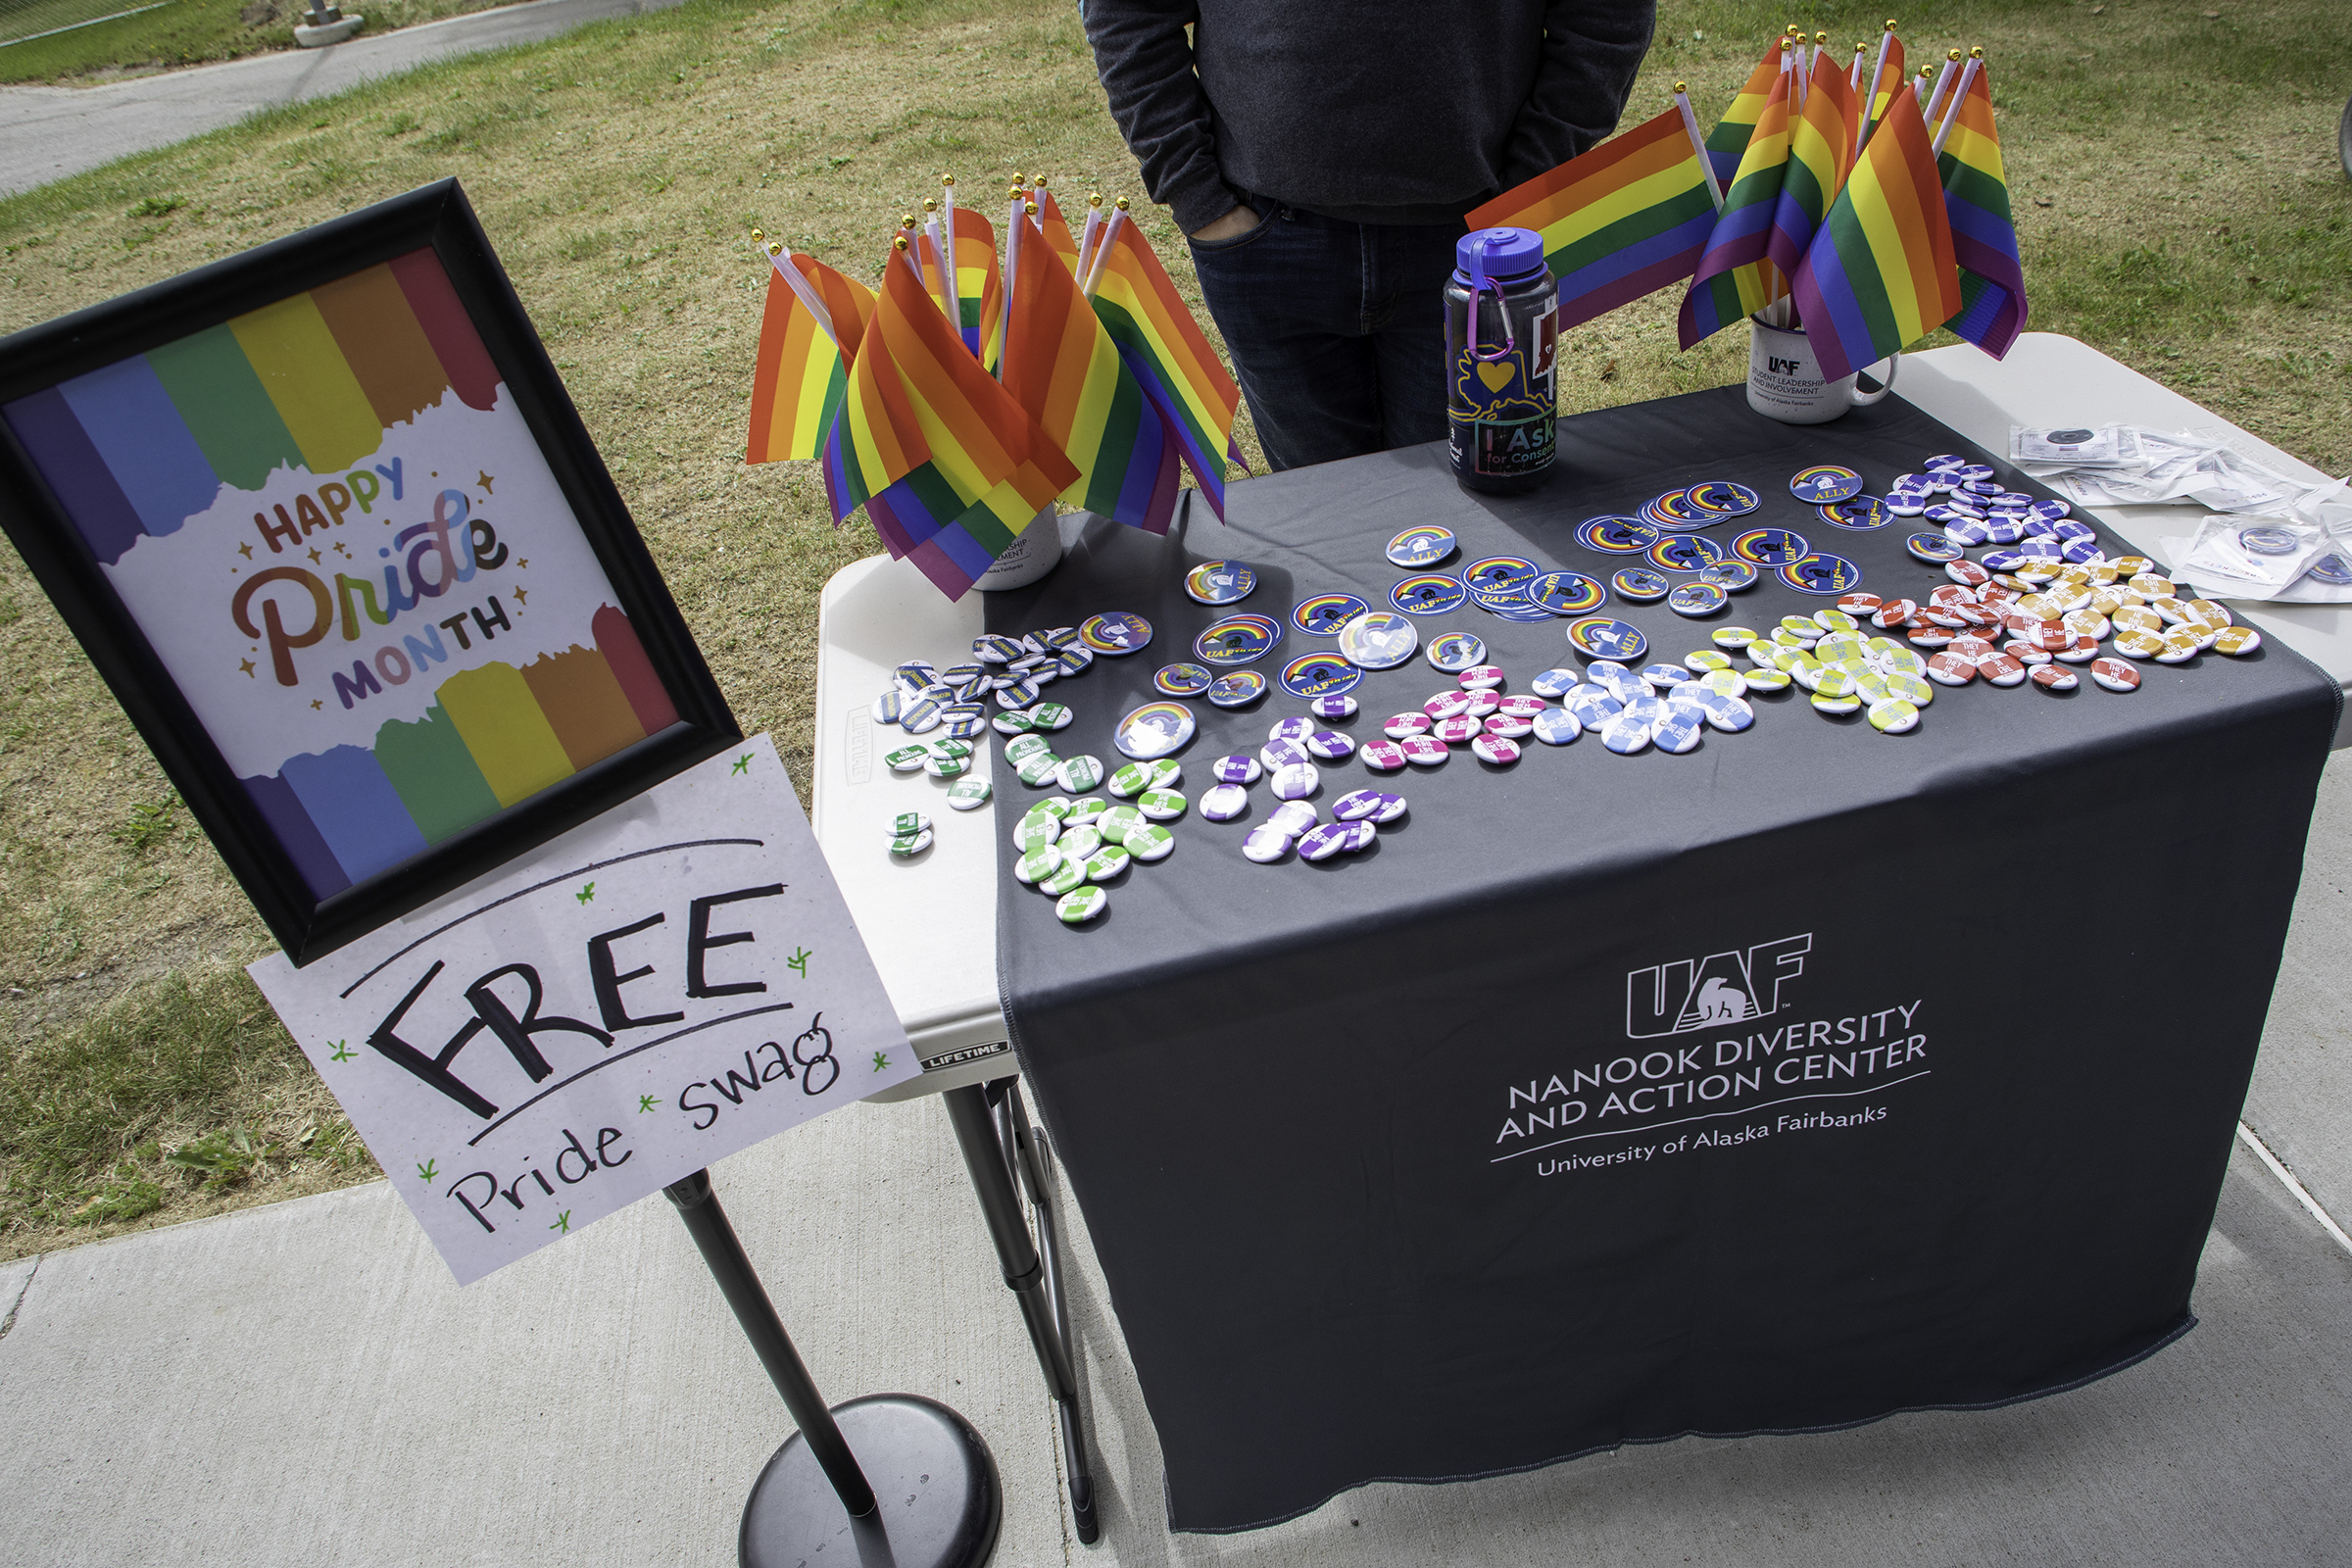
{"points": [[1378, 112]]}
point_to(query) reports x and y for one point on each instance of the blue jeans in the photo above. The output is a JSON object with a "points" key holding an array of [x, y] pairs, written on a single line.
{"points": [[1337, 330]]}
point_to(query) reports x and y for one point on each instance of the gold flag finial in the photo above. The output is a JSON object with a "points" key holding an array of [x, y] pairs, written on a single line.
{"points": [[1121, 204], [1889, 23], [1977, 52], [1016, 178], [947, 180], [1681, 88], [1030, 207], [1094, 198], [898, 241], [930, 206]]}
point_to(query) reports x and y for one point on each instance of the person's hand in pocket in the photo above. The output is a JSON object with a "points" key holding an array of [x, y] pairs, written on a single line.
{"points": [[1233, 225]]}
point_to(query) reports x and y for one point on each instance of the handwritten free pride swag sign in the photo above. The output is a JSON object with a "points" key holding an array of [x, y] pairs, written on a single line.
{"points": [[660, 988]]}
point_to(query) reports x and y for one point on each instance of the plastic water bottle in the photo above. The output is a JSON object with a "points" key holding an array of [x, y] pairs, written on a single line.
{"points": [[1502, 339]]}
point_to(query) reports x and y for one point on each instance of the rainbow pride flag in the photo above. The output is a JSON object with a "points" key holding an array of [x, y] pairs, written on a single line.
{"points": [[1627, 218], [948, 466], [1735, 276], [1057, 229], [312, 381], [800, 371], [979, 286], [1728, 142], [495, 735], [1976, 201], [1880, 275], [1820, 153], [1887, 78], [1170, 357], [1063, 366]]}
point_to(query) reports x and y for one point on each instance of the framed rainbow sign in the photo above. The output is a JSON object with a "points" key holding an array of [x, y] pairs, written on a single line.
{"points": [[326, 523]]}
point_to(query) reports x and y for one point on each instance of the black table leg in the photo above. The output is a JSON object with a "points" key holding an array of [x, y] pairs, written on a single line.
{"points": [[992, 1127]]}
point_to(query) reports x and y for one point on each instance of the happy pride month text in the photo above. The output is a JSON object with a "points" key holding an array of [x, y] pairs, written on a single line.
{"points": [[1798, 1058], [447, 549]]}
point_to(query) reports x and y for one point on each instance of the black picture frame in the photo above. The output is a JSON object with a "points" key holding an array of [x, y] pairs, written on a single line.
{"points": [[38, 524]]}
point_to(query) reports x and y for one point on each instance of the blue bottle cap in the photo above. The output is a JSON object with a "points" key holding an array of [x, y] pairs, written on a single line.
{"points": [[1488, 253]]}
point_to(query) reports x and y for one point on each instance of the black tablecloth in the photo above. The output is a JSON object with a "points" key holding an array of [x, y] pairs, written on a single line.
{"points": [[2006, 976]]}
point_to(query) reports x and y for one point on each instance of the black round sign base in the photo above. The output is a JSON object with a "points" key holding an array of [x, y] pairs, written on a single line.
{"points": [[938, 1501]]}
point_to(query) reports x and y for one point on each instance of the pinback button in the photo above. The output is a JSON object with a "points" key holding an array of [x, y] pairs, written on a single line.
{"points": [[1420, 547], [1402, 725], [905, 759], [1021, 748], [1907, 503], [2237, 641], [1767, 680], [1893, 717], [1295, 781], [1042, 862], [1073, 661], [1380, 640], [1663, 674], [967, 794], [1357, 805], [1724, 498], [1446, 704], [1077, 843], [1950, 670], [1931, 548], [1733, 637], [1324, 841], [1454, 652], [1021, 692], [1625, 735], [1858, 512], [2178, 649], [1724, 682], [2116, 675], [1677, 730], [1325, 613], [1496, 750], [1182, 680], [1150, 842], [1456, 730], [2000, 669], [1428, 593], [939, 767], [1035, 831], [1686, 551], [1382, 757], [1281, 753], [1593, 706], [1480, 677], [1129, 782], [1220, 582], [1836, 706], [1823, 483], [2054, 678], [1160, 806], [1731, 714], [1266, 846], [1117, 632], [888, 706], [1696, 599], [1424, 751], [1239, 689], [1292, 728], [920, 717], [911, 844], [1341, 706], [1730, 576], [1078, 774], [1603, 637], [1080, 812], [1507, 726], [1222, 802], [1038, 770], [1330, 745], [1556, 726], [1117, 822], [1640, 585]]}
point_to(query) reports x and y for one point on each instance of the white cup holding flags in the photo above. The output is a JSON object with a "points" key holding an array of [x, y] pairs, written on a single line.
{"points": [[1785, 381]]}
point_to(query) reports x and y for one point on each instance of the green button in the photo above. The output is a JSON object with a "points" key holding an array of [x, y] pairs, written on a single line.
{"points": [[1042, 862], [1071, 875], [1160, 806], [1081, 905], [1129, 781], [1115, 823], [1150, 842], [1037, 771]]}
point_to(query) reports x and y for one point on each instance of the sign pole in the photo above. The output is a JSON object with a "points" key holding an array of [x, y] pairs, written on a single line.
{"points": [[942, 1503]]}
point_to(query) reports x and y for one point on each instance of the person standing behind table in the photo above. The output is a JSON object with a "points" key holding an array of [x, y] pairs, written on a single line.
{"points": [[1319, 157]]}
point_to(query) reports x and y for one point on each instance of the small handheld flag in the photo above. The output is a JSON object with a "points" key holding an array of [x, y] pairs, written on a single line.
{"points": [[1627, 218], [1062, 365], [1819, 157], [809, 336], [1735, 276], [1728, 142], [1880, 274], [1976, 199], [1164, 347]]}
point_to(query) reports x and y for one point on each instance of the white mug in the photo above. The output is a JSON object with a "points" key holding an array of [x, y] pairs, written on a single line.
{"points": [[1784, 379]]}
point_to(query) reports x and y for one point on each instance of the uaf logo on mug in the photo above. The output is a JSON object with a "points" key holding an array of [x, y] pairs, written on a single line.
{"points": [[1675, 998]]}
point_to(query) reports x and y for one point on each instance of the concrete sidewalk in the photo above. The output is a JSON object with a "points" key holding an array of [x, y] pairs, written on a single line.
{"points": [[302, 1382], [49, 133]]}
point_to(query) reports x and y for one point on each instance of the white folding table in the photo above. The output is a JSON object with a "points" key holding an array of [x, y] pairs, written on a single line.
{"points": [[932, 924]]}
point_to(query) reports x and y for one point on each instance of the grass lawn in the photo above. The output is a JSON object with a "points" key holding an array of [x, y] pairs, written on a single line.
{"points": [[76, 41], [2179, 202]]}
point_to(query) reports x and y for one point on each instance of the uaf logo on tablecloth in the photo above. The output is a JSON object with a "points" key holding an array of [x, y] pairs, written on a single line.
{"points": [[1675, 998]]}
